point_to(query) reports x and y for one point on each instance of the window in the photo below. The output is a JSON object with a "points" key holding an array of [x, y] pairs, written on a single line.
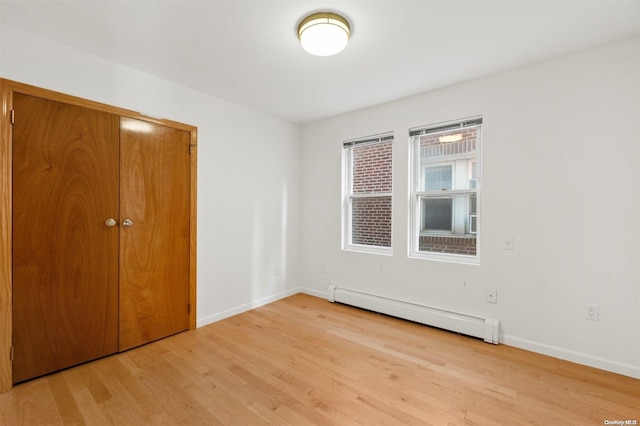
{"points": [[445, 164], [366, 211]]}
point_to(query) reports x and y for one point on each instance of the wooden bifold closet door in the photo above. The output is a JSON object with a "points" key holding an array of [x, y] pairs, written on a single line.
{"points": [[65, 260], [101, 234], [154, 249]]}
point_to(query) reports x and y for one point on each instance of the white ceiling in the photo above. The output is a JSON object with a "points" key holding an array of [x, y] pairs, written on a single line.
{"points": [[247, 52]]}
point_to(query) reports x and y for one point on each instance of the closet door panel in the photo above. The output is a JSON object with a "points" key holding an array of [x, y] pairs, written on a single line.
{"points": [[65, 259], [154, 248]]}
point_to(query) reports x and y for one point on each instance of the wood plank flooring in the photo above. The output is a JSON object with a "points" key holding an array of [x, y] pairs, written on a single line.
{"points": [[303, 360]]}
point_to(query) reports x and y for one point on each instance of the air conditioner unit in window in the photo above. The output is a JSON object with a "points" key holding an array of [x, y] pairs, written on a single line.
{"points": [[473, 223]]}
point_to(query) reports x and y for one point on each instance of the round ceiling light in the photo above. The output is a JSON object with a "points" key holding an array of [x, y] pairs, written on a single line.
{"points": [[324, 34]]}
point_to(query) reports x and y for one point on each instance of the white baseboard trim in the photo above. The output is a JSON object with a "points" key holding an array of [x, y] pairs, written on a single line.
{"points": [[246, 307], [316, 293], [573, 356]]}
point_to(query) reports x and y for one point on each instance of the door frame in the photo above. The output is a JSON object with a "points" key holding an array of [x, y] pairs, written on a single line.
{"points": [[7, 89]]}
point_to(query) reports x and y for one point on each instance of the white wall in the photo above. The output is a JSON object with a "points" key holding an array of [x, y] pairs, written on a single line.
{"points": [[561, 157], [248, 171]]}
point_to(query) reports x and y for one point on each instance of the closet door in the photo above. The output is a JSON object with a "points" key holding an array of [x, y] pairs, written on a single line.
{"points": [[65, 257], [154, 234]]}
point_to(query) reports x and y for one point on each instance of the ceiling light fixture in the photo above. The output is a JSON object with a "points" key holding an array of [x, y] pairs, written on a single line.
{"points": [[324, 33]]}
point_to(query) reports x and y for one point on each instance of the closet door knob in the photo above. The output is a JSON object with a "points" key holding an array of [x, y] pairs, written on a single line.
{"points": [[110, 223], [127, 222]]}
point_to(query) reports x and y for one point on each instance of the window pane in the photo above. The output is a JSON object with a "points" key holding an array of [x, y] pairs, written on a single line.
{"points": [[458, 149], [371, 221], [447, 244], [472, 224], [438, 178], [448, 225], [372, 168], [437, 214], [473, 174]]}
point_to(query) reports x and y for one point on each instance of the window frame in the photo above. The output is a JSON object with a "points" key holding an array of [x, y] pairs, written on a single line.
{"points": [[417, 195], [348, 196]]}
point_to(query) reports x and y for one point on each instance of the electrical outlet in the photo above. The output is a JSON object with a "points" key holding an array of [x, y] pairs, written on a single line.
{"points": [[508, 243], [276, 269], [491, 296], [592, 312], [323, 268]]}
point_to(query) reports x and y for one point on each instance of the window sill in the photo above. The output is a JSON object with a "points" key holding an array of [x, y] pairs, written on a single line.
{"points": [[446, 257], [446, 234], [385, 251]]}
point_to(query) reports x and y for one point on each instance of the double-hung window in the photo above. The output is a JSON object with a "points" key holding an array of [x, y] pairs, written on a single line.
{"points": [[445, 189], [367, 187]]}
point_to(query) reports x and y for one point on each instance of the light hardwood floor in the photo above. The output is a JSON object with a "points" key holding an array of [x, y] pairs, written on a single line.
{"points": [[303, 360]]}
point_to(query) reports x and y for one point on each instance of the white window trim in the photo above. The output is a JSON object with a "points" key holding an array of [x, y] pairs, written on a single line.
{"points": [[346, 197], [415, 199]]}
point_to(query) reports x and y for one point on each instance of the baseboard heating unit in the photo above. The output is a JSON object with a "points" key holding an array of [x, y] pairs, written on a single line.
{"points": [[483, 328]]}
